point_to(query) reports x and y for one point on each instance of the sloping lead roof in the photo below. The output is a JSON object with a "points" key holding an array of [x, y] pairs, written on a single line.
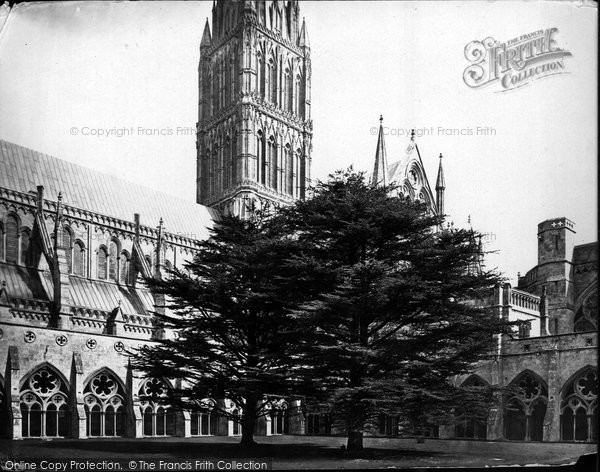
{"points": [[23, 169], [29, 283]]}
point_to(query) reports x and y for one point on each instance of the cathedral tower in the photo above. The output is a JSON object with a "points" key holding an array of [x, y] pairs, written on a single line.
{"points": [[254, 134]]}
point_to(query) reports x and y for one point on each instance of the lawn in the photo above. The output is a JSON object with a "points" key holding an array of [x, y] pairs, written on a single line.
{"points": [[302, 452]]}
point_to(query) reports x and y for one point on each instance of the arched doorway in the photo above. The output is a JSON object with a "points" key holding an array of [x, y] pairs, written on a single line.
{"points": [[45, 405], [579, 407], [525, 408]]}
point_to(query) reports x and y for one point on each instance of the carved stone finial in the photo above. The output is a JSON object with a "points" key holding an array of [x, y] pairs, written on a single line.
{"points": [[412, 134], [380, 119]]}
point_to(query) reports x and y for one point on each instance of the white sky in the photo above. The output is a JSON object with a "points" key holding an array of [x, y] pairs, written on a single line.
{"points": [[114, 65]]}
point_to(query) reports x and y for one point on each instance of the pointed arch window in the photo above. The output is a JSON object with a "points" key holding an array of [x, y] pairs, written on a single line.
{"points": [[273, 164], [260, 75], [260, 157], [579, 408], [124, 267], [227, 82], [227, 163], [233, 80], [279, 419], [289, 171], [233, 162], [79, 258], [67, 242], [44, 405], [12, 238], [471, 424], [297, 96], [297, 176], [25, 246], [214, 171], [525, 408], [113, 260], [288, 85], [158, 417], [272, 89], [204, 420], [237, 422], [104, 401], [101, 262], [586, 318]]}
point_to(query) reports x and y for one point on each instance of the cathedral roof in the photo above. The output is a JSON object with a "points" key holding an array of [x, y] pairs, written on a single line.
{"points": [[33, 284], [23, 169]]}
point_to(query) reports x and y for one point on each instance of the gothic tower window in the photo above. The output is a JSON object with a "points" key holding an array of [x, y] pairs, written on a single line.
{"points": [[297, 98], [289, 171], [272, 158], [222, 83], [101, 262], [67, 242], [213, 171], [25, 243], [215, 92], [232, 80], [227, 83], [104, 399], [287, 91], [12, 239], [260, 157], [44, 405], [579, 407], [113, 260], [233, 162], [227, 163], [525, 408], [260, 75], [79, 258], [273, 81], [298, 178]]}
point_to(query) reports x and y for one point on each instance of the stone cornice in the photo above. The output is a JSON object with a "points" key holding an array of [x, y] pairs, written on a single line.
{"points": [[254, 100], [256, 188], [251, 21]]}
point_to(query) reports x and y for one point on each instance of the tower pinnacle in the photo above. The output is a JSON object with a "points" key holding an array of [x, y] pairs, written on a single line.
{"points": [[440, 187], [206, 37], [380, 168], [303, 37]]}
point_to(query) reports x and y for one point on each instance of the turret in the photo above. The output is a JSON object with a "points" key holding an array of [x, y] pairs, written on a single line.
{"points": [[440, 186]]}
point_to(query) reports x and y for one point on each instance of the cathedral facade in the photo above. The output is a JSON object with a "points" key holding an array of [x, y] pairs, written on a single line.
{"points": [[76, 245]]}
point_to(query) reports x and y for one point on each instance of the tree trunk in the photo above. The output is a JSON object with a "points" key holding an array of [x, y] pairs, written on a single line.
{"points": [[355, 441], [248, 423]]}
